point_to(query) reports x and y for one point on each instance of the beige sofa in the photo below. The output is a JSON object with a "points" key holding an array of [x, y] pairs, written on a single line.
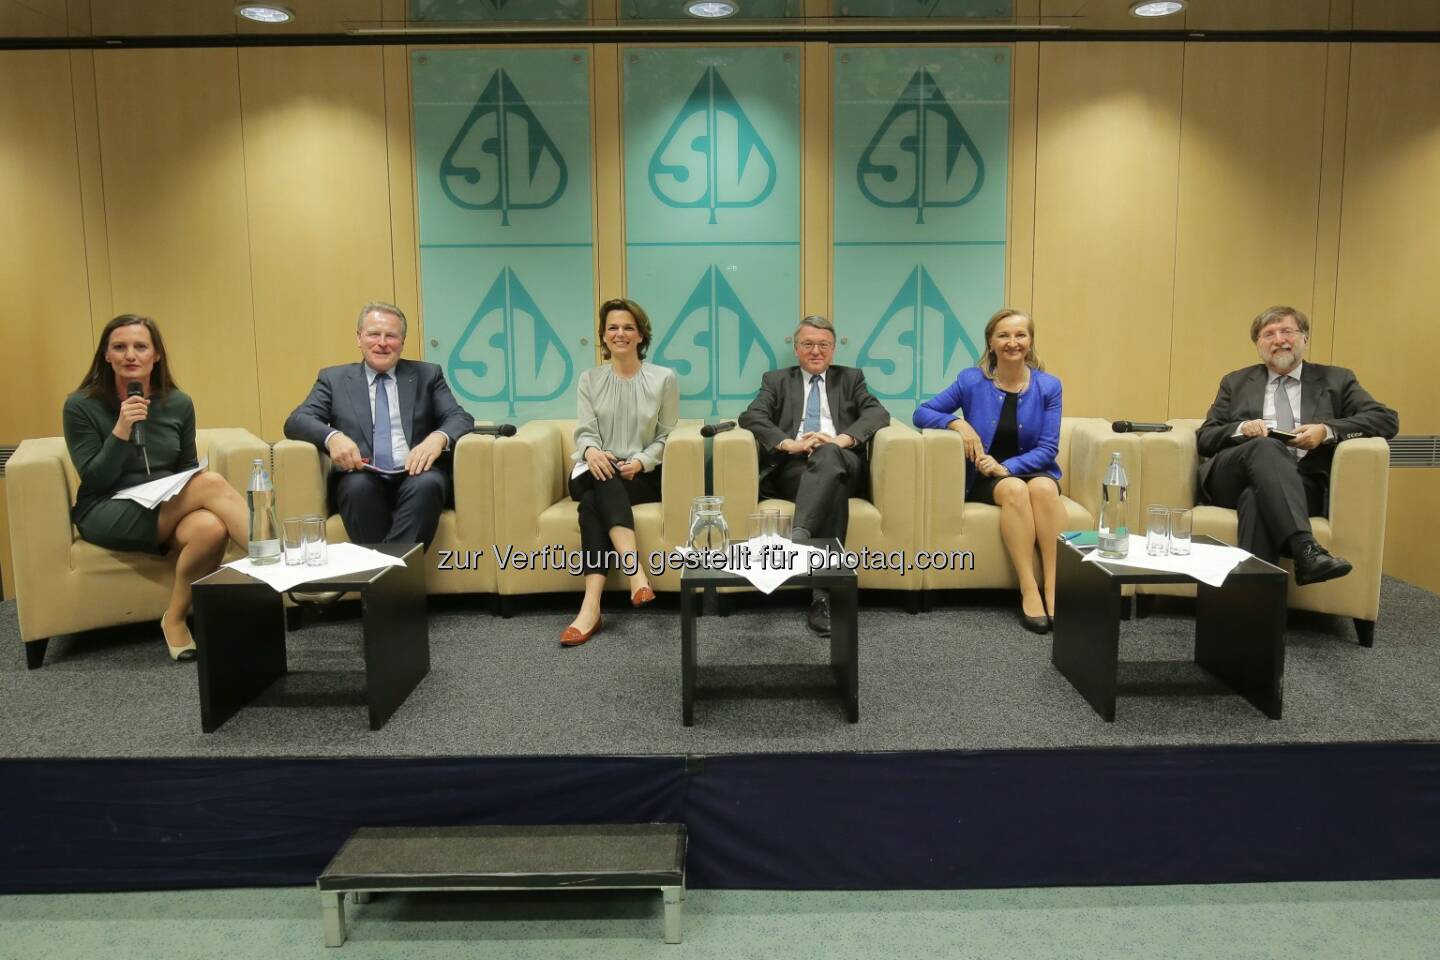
{"points": [[534, 511], [65, 585], [460, 560], [1355, 529], [889, 521], [951, 524]]}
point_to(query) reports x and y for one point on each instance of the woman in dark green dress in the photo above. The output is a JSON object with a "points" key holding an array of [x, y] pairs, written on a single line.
{"points": [[100, 421]]}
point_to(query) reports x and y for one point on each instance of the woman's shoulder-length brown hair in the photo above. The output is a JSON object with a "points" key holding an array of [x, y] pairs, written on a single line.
{"points": [[642, 324], [99, 382]]}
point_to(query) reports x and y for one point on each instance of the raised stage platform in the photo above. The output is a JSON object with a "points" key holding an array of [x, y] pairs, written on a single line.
{"points": [[974, 762]]}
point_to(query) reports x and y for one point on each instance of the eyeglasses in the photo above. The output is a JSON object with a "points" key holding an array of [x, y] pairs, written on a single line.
{"points": [[1286, 333], [822, 345]]}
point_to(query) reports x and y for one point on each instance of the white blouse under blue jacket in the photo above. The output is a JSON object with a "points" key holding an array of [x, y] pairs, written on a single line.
{"points": [[980, 400]]}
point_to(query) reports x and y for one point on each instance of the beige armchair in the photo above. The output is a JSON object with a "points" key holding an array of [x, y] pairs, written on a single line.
{"points": [[64, 584], [889, 521], [460, 560], [952, 525], [538, 518], [1355, 529]]}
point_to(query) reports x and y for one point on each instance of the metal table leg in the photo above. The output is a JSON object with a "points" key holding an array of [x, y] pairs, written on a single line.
{"points": [[674, 903]]}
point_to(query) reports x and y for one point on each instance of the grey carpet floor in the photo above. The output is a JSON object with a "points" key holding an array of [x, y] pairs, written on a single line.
{"points": [[963, 676]]}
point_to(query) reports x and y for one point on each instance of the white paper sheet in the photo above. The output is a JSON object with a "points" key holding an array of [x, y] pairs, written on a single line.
{"points": [[152, 493], [767, 562], [342, 559], [1207, 563]]}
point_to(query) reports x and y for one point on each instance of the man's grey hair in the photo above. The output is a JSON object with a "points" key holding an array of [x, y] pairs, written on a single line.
{"points": [[380, 306], [1275, 315], [818, 322]]}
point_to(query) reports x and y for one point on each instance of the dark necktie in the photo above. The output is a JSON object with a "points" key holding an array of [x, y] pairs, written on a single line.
{"points": [[812, 406], [384, 456]]}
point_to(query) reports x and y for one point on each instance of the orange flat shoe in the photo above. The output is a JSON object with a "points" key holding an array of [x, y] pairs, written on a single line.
{"points": [[570, 637], [641, 597]]}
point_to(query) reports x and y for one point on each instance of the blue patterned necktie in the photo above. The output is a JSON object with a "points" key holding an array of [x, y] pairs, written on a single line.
{"points": [[384, 457], [812, 406]]}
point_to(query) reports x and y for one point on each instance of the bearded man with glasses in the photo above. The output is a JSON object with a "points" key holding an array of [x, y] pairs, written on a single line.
{"points": [[1270, 437], [812, 423]]}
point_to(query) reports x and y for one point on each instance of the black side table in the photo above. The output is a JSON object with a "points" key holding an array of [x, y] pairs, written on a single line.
{"points": [[844, 630], [1239, 627], [240, 635]]}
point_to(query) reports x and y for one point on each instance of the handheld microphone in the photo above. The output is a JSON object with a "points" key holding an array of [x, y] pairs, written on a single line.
{"points": [[137, 432], [495, 430], [1126, 426], [710, 429]]}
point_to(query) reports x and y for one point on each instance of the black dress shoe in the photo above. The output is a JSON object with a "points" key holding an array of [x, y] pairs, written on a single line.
{"points": [[1040, 624], [1315, 564], [818, 619]]}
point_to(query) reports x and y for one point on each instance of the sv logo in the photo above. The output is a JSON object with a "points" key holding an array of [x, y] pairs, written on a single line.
{"points": [[509, 351], [901, 350], [712, 156], [914, 159], [502, 158], [713, 317]]}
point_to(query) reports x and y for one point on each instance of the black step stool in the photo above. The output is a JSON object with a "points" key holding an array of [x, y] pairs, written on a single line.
{"points": [[587, 857]]}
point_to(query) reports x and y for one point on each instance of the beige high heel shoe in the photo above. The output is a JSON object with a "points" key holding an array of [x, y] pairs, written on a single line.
{"points": [[185, 652]]}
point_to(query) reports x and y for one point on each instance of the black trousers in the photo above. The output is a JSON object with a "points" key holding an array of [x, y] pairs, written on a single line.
{"points": [[1262, 481], [605, 504], [821, 486], [381, 508]]}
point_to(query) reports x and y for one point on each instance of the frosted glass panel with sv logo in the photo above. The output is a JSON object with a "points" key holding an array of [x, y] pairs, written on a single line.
{"points": [[921, 155], [712, 213], [502, 165]]}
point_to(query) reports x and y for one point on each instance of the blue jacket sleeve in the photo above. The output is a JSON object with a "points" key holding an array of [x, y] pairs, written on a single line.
{"points": [[1041, 457], [939, 411]]}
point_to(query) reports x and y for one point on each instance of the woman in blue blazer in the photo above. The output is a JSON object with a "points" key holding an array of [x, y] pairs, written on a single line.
{"points": [[1007, 409]]}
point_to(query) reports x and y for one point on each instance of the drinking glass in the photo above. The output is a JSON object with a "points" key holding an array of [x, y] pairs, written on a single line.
{"points": [[1157, 529], [759, 525], [294, 542], [316, 546], [782, 526], [1180, 529]]}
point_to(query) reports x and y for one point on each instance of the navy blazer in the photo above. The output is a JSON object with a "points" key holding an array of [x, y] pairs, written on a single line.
{"points": [[1037, 415], [340, 400]]}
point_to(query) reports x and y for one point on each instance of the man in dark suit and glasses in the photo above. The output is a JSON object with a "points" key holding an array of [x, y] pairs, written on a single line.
{"points": [[1277, 485], [386, 424], [812, 423]]}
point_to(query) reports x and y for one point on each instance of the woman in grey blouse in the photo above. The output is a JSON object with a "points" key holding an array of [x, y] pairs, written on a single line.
{"points": [[627, 409]]}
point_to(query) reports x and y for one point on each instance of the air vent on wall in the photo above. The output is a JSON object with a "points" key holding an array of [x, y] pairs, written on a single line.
{"points": [[1419, 450], [5, 453]]}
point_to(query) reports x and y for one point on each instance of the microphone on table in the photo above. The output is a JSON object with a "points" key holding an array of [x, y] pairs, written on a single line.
{"points": [[495, 430], [137, 432], [1127, 426], [710, 429]]}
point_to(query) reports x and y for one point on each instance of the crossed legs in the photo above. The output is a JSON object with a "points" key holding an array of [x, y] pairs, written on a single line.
{"points": [[1031, 513], [606, 520], [197, 522]]}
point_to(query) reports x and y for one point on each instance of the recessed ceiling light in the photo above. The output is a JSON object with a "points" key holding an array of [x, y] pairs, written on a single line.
{"points": [[264, 12], [1156, 8], [711, 9]]}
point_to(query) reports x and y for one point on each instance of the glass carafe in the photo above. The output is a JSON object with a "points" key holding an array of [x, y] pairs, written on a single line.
{"points": [[708, 530]]}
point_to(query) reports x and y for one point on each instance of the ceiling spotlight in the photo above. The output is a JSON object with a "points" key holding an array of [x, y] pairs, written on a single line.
{"points": [[264, 12], [711, 9], [1156, 8]]}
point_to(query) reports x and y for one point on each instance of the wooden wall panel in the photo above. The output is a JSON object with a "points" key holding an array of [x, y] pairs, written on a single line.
{"points": [[32, 18], [1020, 229], [42, 248], [1106, 177], [1385, 327], [1248, 211], [317, 181], [817, 199], [608, 184], [1412, 551], [176, 218], [404, 221]]}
